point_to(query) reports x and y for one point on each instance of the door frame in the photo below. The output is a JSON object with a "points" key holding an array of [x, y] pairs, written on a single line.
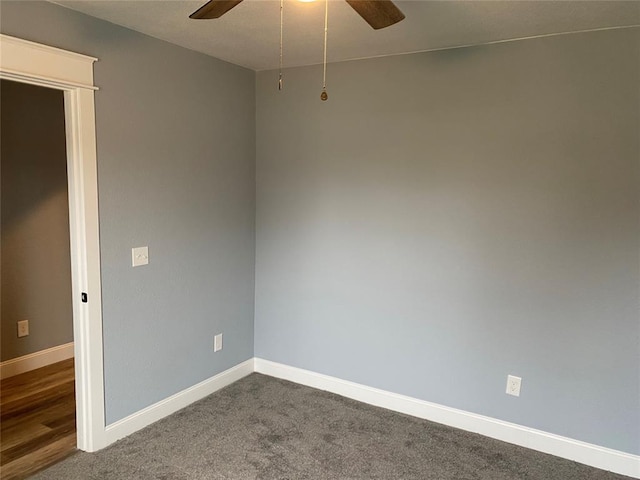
{"points": [[42, 65]]}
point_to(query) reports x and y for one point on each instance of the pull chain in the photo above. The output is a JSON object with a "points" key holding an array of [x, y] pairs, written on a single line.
{"points": [[281, 23], [323, 95]]}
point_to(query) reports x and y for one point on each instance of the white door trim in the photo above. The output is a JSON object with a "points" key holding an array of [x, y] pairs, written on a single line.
{"points": [[36, 64]]}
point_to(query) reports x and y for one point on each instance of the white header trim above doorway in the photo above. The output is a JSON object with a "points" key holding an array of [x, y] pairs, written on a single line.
{"points": [[27, 60]]}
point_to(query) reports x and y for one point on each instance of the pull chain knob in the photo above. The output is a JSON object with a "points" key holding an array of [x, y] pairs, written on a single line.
{"points": [[323, 95]]}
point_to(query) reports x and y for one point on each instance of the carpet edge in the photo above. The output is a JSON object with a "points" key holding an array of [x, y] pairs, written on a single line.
{"points": [[582, 452], [159, 410]]}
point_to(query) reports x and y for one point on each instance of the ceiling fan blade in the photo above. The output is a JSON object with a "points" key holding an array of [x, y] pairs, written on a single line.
{"points": [[214, 9], [377, 13]]}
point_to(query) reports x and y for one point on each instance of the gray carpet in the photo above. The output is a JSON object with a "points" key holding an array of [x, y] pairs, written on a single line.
{"points": [[264, 428]]}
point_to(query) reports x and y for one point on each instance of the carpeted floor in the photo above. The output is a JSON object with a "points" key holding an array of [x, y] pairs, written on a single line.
{"points": [[264, 428]]}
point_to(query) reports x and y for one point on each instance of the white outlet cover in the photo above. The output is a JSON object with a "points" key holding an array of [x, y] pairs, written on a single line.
{"points": [[217, 343], [513, 385], [139, 256], [23, 328]]}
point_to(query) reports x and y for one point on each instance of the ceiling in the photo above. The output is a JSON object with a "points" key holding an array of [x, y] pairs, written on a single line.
{"points": [[248, 35]]}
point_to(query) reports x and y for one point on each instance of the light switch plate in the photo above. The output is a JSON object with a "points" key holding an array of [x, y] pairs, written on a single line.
{"points": [[139, 256]]}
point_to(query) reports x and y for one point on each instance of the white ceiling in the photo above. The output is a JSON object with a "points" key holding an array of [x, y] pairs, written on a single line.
{"points": [[248, 35]]}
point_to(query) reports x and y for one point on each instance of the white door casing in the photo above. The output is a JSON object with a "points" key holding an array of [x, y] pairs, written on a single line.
{"points": [[45, 66]]}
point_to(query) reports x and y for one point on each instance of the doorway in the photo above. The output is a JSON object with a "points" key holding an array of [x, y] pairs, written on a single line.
{"points": [[37, 409], [72, 74]]}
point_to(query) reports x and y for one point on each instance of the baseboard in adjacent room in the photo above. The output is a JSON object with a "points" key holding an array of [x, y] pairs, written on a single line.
{"points": [[172, 404], [29, 362], [582, 452]]}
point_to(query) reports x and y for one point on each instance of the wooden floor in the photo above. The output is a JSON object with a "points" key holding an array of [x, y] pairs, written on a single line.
{"points": [[37, 419]]}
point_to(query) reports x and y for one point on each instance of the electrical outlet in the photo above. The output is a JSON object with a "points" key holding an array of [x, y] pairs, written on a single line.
{"points": [[217, 343], [513, 385], [23, 328]]}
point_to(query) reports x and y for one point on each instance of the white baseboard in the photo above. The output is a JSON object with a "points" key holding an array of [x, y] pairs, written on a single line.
{"points": [[582, 452], [35, 360], [172, 404]]}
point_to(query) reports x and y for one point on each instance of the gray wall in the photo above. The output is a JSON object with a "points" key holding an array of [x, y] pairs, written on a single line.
{"points": [[176, 172], [35, 273], [446, 219]]}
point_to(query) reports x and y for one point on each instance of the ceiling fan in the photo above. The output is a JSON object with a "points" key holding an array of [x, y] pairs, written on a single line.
{"points": [[377, 13]]}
